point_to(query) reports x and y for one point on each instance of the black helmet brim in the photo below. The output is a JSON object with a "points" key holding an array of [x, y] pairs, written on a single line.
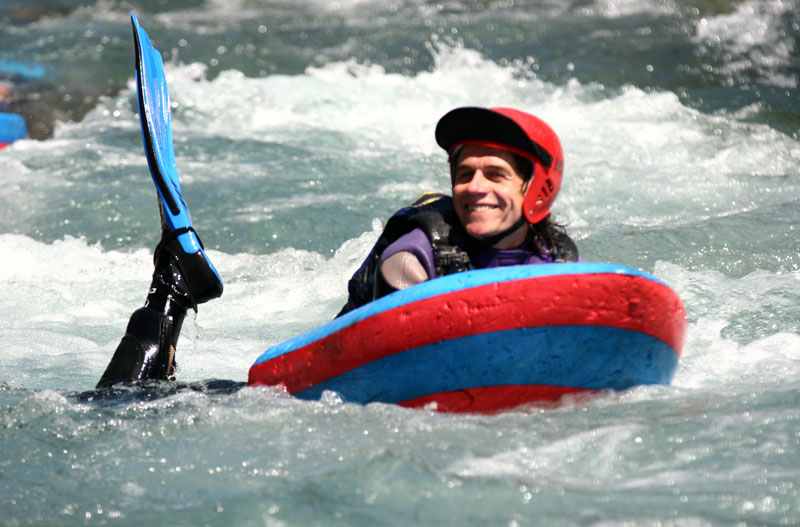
{"points": [[474, 124]]}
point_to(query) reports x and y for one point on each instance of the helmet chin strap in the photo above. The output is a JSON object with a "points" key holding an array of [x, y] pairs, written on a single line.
{"points": [[491, 241]]}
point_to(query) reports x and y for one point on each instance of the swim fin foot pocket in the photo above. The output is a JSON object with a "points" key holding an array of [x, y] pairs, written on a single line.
{"points": [[187, 278]]}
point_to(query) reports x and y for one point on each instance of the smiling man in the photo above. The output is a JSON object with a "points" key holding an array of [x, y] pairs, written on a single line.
{"points": [[488, 191], [506, 168]]}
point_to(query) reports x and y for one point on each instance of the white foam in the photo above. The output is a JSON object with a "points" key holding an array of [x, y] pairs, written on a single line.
{"points": [[67, 305], [375, 109], [551, 461], [267, 299], [237, 8], [619, 148], [624, 8], [726, 345], [754, 33]]}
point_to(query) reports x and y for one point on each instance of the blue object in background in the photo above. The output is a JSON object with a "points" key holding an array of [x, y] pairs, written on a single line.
{"points": [[12, 127], [24, 70]]}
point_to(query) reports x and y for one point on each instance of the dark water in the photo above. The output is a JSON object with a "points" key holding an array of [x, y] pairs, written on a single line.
{"points": [[715, 55]]}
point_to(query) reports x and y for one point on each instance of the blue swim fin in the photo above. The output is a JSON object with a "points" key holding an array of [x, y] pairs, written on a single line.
{"points": [[203, 279]]}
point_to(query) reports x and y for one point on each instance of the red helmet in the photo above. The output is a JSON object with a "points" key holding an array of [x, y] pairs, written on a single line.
{"points": [[517, 132]]}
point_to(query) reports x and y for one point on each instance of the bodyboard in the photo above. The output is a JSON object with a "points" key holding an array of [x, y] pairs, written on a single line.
{"points": [[489, 340]]}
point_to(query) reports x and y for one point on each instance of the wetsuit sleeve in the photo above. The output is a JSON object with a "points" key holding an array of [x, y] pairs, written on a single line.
{"points": [[402, 270], [405, 262], [415, 242]]}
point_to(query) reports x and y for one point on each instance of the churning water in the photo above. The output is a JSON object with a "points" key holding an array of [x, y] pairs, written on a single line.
{"points": [[300, 126]]}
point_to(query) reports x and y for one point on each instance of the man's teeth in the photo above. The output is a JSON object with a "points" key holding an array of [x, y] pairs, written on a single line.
{"points": [[479, 208]]}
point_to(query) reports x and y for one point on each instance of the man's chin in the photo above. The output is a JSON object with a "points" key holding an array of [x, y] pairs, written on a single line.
{"points": [[480, 234]]}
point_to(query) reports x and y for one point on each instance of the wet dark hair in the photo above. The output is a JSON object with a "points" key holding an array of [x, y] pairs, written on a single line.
{"points": [[544, 237], [523, 166]]}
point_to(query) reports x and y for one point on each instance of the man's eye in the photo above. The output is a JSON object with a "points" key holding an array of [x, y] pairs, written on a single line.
{"points": [[497, 175], [463, 177]]}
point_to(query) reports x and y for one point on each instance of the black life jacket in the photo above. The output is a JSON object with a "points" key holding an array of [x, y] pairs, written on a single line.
{"points": [[433, 213]]}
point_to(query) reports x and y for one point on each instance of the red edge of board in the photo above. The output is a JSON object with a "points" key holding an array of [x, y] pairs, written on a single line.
{"points": [[495, 399], [602, 299]]}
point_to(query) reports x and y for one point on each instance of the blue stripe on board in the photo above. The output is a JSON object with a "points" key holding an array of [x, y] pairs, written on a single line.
{"points": [[592, 357], [446, 284]]}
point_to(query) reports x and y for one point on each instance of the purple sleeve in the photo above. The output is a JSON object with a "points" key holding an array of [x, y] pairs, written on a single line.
{"points": [[417, 243]]}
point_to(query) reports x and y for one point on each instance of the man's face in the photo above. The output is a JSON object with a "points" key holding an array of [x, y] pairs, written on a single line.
{"points": [[488, 194]]}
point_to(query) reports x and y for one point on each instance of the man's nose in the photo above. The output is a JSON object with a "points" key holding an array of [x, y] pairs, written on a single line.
{"points": [[478, 182]]}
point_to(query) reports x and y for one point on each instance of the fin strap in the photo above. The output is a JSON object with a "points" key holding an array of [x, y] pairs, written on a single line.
{"points": [[167, 237]]}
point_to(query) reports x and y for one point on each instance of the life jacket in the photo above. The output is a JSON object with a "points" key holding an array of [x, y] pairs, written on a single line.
{"points": [[433, 213]]}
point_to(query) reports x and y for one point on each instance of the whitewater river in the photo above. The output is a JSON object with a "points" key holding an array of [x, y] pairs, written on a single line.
{"points": [[300, 126]]}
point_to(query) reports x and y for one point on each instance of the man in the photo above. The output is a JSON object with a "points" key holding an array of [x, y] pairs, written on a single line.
{"points": [[505, 168]]}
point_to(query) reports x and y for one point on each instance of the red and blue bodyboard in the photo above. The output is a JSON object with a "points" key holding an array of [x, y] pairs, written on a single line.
{"points": [[490, 340]]}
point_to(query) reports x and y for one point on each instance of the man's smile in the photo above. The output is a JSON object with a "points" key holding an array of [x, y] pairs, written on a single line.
{"points": [[481, 208]]}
